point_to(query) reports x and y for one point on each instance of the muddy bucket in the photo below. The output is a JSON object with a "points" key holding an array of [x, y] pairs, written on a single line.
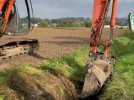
{"points": [[96, 76]]}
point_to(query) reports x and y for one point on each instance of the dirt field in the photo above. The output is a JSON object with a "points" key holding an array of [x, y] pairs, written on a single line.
{"points": [[53, 43], [57, 42]]}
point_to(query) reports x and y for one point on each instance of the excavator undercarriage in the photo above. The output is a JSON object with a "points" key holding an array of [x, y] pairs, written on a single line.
{"points": [[12, 46], [11, 22]]}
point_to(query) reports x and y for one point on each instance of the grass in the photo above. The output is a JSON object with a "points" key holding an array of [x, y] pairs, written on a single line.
{"points": [[71, 66], [121, 87], [1, 97]]}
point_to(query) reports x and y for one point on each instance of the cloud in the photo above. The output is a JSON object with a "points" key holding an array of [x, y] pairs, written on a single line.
{"points": [[124, 7], [129, 1], [71, 8], [62, 8]]}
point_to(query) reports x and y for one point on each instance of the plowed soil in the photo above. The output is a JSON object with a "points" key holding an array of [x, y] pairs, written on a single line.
{"points": [[53, 43], [57, 42]]}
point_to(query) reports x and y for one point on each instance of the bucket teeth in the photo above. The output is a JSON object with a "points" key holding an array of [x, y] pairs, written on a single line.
{"points": [[96, 77]]}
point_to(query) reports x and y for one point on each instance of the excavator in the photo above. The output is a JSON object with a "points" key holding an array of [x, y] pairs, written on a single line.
{"points": [[99, 65], [9, 20]]}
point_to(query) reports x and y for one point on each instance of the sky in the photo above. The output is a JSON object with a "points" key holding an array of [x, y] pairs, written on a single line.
{"points": [[71, 8]]}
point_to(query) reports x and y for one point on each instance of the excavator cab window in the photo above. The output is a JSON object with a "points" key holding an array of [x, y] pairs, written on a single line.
{"points": [[21, 15]]}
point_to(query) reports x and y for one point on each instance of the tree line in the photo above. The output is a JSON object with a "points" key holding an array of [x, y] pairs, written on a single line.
{"points": [[71, 22], [63, 22]]}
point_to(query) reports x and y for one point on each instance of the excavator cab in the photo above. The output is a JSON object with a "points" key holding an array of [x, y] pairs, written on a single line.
{"points": [[20, 22]]}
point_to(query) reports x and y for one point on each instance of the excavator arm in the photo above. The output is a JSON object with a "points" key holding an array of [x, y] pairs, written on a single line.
{"points": [[100, 10], [99, 66], [6, 9]]}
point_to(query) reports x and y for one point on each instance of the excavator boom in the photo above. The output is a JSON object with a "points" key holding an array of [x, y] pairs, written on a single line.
{"points": [[100, 10], [99, 66]]}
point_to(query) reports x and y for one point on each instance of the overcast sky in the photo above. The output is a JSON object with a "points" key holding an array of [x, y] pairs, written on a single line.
{"points": [[71, 8]]}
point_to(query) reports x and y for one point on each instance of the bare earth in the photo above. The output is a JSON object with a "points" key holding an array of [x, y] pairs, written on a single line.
{"points": [[57, 42], [53, 43]]}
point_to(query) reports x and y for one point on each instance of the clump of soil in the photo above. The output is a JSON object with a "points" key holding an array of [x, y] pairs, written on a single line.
{"points": [[34, 84]]}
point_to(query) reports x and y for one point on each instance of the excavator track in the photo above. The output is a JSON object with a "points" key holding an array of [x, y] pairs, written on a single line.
{"points": [[15, 46]]}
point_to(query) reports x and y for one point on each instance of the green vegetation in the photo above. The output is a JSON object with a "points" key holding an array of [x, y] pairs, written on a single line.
{"points": [[71, 22], [71, 66], [63, 22], [122, 84], [121, 87]]}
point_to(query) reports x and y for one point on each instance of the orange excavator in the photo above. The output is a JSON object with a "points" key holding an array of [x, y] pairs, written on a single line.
{"points": [[9, 17], [100, 9], [99, 66]]}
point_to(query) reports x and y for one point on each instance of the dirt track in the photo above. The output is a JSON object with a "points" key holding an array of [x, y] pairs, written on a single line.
{"points": [[53, 43]]}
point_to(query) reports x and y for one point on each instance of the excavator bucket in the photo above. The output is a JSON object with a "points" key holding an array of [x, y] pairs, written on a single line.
{"points": [[98, 72]]}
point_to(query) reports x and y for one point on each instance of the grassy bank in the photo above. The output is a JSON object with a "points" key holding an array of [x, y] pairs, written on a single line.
{"points": [[121, 87]]}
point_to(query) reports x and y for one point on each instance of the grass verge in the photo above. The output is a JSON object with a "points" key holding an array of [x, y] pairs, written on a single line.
{"points": [[122, 85]]}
